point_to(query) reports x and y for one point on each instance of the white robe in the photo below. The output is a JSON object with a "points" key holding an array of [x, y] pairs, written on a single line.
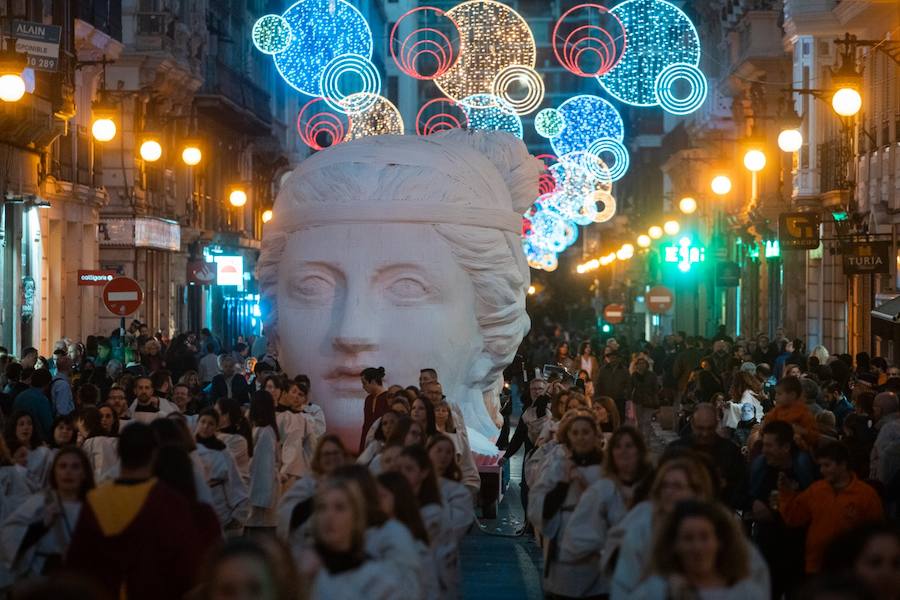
{"points": [[237, 446], [230, 500], [102, 453], [16, 564], [264, 481], [302, 490], [317, 420], [373, 449], [166, 408], [458, 516], [14, 489], [558, 579], [656, 587], [372, 580], [393, 544], [600, 508], [294, 429]]}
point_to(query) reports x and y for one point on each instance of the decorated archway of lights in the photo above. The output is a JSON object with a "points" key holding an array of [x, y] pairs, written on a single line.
{"points": [[481, 56]]}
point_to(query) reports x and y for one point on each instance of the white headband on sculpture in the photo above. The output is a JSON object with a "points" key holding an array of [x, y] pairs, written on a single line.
{"points": [[432, 213]]}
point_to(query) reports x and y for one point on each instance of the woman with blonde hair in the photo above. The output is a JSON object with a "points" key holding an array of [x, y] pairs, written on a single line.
{"points": [[338, 563], [296, 505], [700, 551], [570, 469]]}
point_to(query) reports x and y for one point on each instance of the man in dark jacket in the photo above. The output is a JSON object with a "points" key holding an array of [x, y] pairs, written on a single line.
{"points": [[229, 383], [614, 380], [686, 362], [724, 454]]}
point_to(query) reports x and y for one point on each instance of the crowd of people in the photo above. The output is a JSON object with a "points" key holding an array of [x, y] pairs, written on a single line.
{"points": [[778, 477], [140, 467], [186, 473]]}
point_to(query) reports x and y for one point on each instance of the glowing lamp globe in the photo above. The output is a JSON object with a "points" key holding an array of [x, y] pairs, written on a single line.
{"points": [[790, 140], [846, 102], [720, 185], [644, 241], [655, 232], [755, 160], [687, 205], [12, 87], [267, 215], [191, 155], [671, 227], [151, 151], [625, 252], [103, 129], [237, 198], [531, 290]]}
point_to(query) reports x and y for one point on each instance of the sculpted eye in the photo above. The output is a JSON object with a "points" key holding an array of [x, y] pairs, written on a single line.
{"points": [[406, 289], [312, 288]]}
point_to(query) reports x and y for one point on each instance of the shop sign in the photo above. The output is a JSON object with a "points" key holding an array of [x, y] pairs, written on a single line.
{"points": [[864, 258], [141, 232], [230, 271], [728, 274], [200, 272], [798, 230], [39, 42], [94, 277]]}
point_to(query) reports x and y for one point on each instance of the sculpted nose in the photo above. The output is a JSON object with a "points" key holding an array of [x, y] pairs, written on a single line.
{"points": [[357, 330]]}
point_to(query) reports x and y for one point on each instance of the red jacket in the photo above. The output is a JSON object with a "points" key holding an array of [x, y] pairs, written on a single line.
{"points": [[828, 513], [801, 419]]}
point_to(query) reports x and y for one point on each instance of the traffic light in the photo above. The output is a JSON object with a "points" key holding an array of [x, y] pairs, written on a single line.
{"points": [[606, 328]]}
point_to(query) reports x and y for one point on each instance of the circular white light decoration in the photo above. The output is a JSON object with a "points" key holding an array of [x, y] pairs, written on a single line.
{"points": [[588, 118], [681, 105], [321, 30], [549, 123], [381, 118], [517, 75], [549, 263], [606, 206], [659, 34], [492, 37], [594, 165], [271, 34], [425, 52], [589, 40], [491, 113], [365, 79], [606, 148]]}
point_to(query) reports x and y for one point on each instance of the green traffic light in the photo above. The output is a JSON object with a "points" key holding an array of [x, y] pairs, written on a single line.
{"points": [[606, 328], [840, 215]]}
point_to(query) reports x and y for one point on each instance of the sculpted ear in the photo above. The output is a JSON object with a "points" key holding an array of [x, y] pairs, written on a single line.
{"points": [[481, 374]]}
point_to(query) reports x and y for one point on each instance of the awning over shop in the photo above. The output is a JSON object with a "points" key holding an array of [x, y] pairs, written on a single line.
{"points": [[886, 319]]}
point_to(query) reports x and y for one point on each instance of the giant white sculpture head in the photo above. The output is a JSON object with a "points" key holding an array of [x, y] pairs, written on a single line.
{"points": [[402, 252]]}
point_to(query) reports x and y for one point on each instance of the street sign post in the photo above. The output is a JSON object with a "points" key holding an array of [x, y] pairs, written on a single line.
{"points": [[39, 42], [659, 300], [798, 230], [614, 313], [866, 258], [728, 274], [123, 296]]}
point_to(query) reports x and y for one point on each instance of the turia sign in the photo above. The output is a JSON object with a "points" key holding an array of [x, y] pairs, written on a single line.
{"points": [[865, 258]]}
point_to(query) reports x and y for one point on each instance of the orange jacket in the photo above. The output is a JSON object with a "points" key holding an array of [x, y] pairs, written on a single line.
{"points": [[828, 513], [802, 420]]}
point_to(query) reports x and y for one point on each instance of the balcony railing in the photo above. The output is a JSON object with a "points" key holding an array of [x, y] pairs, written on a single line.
{"points": [[223, 80], [834, 156]]}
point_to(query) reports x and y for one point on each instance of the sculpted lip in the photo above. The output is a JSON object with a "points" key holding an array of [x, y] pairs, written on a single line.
{"points": [[344, 373]]}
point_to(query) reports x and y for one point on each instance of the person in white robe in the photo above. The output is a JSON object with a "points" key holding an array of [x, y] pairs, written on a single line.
{"points": [[234, 431], [229, 493]]}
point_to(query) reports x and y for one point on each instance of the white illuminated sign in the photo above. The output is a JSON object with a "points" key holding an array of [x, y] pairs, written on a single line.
{"points": [[230, 271]]}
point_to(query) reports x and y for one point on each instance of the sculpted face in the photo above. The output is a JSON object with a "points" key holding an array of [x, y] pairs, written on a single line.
{"points": [[352, 296]]}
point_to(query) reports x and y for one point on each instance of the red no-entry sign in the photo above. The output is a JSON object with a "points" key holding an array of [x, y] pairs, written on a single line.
{"points": [[614, 313], [659, 300], [123, 296]]}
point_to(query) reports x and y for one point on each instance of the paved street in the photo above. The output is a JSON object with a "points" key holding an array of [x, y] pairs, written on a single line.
{"points": [[495, 563]]}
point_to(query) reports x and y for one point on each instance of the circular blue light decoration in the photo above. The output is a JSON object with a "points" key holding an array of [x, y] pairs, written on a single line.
{"points": [[588, 118], [608, 147], [271, 34], [681, 105], [365, 77], [322, 30], [659, 35], [491, 113], [549, 123]]}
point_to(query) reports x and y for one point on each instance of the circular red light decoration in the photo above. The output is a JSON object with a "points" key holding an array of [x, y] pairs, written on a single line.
{"points": [[426, 52], [440, 114], [320, 126], [546, 181], [589, 40]]}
